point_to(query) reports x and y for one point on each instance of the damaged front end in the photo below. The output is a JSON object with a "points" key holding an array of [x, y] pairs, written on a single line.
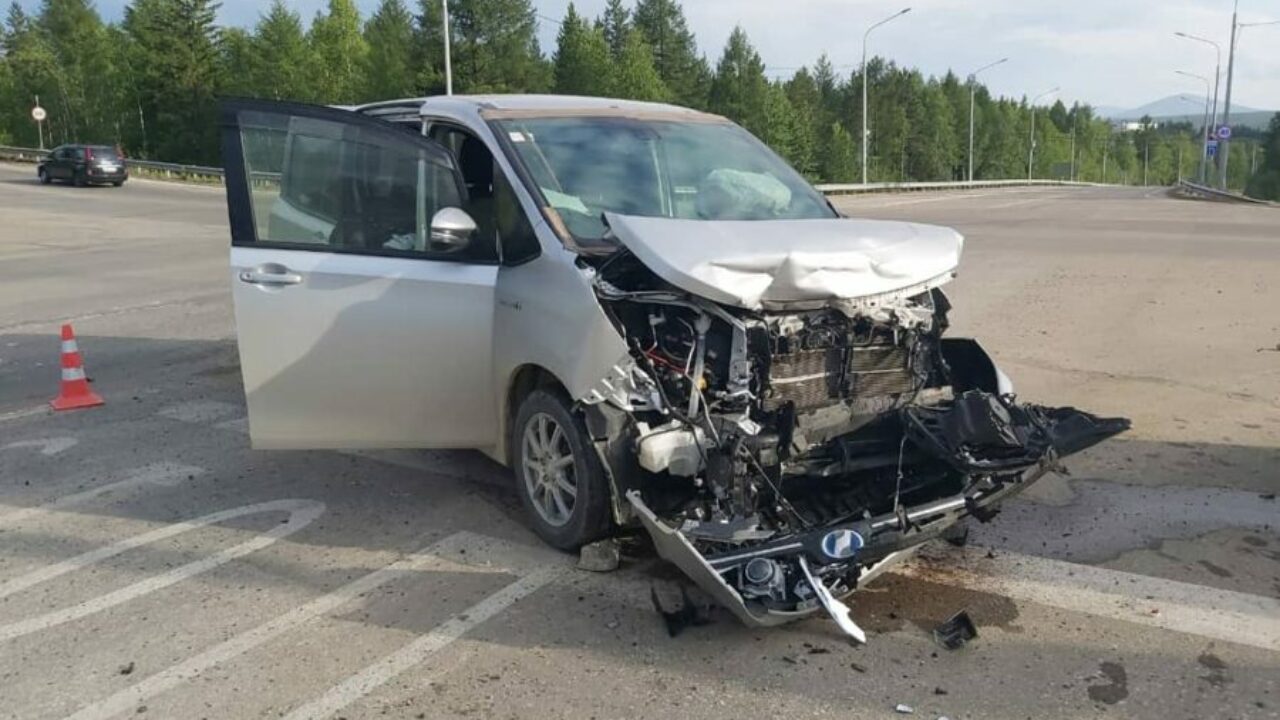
{"points": [[783, 457]]}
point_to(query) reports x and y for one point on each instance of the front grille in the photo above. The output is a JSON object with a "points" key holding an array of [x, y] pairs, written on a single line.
{"points": [[814, 378]]}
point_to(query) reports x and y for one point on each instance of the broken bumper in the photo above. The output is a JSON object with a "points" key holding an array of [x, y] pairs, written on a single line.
{"points": [[886, 540]]}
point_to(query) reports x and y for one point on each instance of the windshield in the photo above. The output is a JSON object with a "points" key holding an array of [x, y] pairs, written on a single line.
{"points": [[688, 170]]}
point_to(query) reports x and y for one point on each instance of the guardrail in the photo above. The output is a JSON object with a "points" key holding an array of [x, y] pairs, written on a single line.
{"points": [[175, 170], [1186, 188], [855, 188], [149, 168]]}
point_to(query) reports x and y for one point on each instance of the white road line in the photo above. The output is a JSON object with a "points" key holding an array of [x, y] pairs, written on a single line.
{"points": [[1233, 617], [421, 649], [129, 698], [157, 474], [26, 412], [47, 446], [301, 514]]}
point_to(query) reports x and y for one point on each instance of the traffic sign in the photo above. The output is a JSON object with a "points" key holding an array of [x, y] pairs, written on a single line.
{"points": [[38, 114], [1224, 133], [1211, 147]]}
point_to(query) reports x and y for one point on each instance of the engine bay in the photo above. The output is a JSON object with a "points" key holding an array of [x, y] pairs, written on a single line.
{"points": [[782, 457]]}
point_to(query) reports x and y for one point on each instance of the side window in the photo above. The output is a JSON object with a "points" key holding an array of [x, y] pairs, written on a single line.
{"points": [[345, 186], [491, 201], [79, 153]]}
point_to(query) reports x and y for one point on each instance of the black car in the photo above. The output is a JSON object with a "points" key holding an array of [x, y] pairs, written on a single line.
{"points": [[84, 165]]}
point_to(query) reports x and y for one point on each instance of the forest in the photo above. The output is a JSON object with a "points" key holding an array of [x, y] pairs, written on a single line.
{"points": [[151, 81]]}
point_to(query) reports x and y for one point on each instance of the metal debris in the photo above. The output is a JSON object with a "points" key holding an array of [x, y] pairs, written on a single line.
{"points": [[955, 632], [904, 709]]}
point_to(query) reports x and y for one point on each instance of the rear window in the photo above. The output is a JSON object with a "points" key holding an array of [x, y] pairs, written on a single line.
{"points": [[104, 153]]}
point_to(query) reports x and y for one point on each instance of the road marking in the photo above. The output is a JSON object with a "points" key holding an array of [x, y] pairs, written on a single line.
{"points": [[26, 412], [48, 446], [158, 474], [1233, 617], [420, 650], [461, 545], [301, 514]]}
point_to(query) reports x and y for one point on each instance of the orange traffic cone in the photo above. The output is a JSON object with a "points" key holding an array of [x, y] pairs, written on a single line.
{"points": [[75, 392]]}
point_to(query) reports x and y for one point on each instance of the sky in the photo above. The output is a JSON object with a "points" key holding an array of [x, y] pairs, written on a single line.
{"points": [[1110, 53]]}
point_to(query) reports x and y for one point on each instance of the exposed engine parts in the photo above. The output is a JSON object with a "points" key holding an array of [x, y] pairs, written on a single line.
{"points": [[785, 456]]}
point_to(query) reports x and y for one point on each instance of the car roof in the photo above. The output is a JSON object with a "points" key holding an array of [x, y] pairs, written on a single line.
{"points": [[540, 105]]}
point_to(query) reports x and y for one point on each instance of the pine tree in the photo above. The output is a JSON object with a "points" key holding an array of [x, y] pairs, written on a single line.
{"points": [[582, 65], [282, 65], [177, 64], [635, 76], [341, 53], [615, 23], [806, 105], [389, 66], [839, 162], [86, 81], [780, 124], [739, 87], [675, 51], [427, 55], [495, 47]]}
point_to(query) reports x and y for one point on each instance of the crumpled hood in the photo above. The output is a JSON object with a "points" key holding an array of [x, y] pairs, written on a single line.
{"points": [[770, 264]]}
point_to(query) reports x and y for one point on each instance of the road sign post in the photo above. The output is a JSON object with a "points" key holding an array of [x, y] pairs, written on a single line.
{"points": [[38, 114]]}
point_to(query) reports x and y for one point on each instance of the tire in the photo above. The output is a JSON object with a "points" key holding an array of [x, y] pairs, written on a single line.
{"points": [[44, 176], [117, 183], [551, 453]]}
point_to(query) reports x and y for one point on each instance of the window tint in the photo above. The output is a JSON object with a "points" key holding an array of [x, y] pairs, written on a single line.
{"points": [[344, 186]]}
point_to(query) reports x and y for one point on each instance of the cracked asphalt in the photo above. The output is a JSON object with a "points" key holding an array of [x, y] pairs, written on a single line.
{"points": [[153, 565]]}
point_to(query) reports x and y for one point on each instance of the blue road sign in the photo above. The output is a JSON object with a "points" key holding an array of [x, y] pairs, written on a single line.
{"points": [[1213, 148], [1224, 133]]}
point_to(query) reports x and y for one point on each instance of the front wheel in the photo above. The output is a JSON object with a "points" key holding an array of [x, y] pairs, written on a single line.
{"points": [[558, 474], [44, 176]]}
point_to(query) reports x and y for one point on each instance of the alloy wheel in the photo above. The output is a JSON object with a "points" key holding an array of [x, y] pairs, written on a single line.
{"points": [[548, 468]]}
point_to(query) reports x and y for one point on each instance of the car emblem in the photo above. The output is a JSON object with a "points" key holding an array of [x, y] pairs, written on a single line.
{"points": [[842, 544]]}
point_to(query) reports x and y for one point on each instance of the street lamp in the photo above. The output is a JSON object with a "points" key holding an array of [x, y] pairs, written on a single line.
{"points": [[1217, 73], [865, 35], [1236, 27], [448, 65], [1031, 152], [1204, 153], [973, 83]]}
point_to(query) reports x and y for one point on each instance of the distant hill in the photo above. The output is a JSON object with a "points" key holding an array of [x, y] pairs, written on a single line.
{"points": [[1183, 108]]}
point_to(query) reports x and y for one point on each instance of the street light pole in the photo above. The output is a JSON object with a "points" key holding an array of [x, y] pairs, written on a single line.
{"points": [[1204, 152], [865, 36], [1236, 27], [448, 64], [1217, 76], [973, 86], [1031, 151]]}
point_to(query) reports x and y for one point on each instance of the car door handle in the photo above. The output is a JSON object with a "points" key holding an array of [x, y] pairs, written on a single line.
{"points": [[257, 277]]}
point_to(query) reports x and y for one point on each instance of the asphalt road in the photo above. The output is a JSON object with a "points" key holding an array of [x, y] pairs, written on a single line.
{"points": [[151, 564]]}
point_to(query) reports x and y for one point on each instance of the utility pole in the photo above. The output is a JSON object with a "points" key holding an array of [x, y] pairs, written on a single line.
{"points": [[1031, 151], [1224, 144], [1179, 164], [1146, 161], [448, 65], [973, 86], [1075, 120], [865, 134], [1106, 145]]}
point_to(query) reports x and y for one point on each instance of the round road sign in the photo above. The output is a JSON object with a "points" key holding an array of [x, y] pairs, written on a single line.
{"points": [[38, 114], [1224, 133]]}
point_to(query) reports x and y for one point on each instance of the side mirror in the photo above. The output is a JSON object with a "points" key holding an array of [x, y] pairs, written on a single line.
{"points": [[451, 230]]}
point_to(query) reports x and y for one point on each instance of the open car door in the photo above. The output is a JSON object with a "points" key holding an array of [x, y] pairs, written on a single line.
{"points": [[355, 329]]}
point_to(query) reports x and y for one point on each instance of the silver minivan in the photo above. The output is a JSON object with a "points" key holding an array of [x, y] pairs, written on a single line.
{"points": [[644, 312]]}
